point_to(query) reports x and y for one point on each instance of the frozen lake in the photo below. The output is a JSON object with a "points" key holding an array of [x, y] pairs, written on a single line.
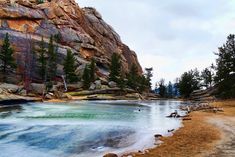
{"points": [[82, 129]]}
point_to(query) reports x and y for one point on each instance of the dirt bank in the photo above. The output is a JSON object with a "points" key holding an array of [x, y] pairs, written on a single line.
{"points": [[207, 134]]}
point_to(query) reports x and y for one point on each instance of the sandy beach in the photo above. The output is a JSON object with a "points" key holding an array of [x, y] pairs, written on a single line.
{"points": [[207, 134]]}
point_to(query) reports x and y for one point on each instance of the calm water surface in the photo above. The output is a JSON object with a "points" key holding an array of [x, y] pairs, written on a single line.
{"points": [[83, 129]]}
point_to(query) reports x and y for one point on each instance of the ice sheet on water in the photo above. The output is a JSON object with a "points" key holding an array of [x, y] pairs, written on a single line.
{"points": [[82, 128]]}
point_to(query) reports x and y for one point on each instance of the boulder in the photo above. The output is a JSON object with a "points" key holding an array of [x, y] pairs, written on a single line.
{"points": [[112, 84], [48, 96], [81, 29], [54, 88], [92, 86], [74, 87], [11, 88], [37, 88], [98, 84], [110, 155]]}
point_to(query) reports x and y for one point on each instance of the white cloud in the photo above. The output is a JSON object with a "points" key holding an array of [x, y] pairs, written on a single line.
{"points": [[171, 36]]}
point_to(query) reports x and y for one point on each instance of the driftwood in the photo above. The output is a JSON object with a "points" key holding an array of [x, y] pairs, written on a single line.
{"points": [[176, 115], [171, 130], [157, 136], [186, 119], [201, 107]]}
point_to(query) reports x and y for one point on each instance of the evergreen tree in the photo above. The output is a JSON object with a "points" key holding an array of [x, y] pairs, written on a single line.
{"points": [[86, 77], [52, 58], [42, 60], [176, 88], [170, 90], [121, 82], [133, 77], [6, 57], [207, 77], [115, 68], [162, 88], [70, 67], [143, 83], [149, 76], [188, 83], [92, 68], [225, 70]]}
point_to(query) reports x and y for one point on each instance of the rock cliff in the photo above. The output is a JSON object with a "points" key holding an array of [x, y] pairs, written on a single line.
{"points": [[80, 29]]}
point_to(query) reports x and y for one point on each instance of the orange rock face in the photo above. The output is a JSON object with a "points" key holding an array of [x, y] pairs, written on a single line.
{"points": [[81, 29]]}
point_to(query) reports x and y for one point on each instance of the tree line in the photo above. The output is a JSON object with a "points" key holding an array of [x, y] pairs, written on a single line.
{"points": [[220, 76], [46, 61]]}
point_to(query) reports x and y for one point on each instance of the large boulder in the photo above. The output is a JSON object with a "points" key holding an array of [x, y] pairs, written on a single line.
{"points": [[92, 86], [10, 88], [74, 87], [37, 88], [98, 84], [112, 84], [80, 29]]}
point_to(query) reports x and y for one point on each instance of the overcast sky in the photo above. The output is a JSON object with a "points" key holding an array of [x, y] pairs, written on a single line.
{"points": [[172, 36]]}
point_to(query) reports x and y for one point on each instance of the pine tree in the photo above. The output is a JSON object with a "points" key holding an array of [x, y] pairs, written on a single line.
{"points": [[170, 90], [6, 57], [162, 88], [143, 83], [188, 83], [92, 68], [115, 67], [86, 77], [149, 76], [42, 60], [207, 77], [133, 77], [225, 70], [52, 57], [69, 67]]}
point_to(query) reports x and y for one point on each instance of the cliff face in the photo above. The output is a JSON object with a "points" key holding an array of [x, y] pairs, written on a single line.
{"points": [[81, 29]]}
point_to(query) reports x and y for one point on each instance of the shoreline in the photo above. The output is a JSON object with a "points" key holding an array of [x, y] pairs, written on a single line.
{"points": [[206, 134], [148, 133]]}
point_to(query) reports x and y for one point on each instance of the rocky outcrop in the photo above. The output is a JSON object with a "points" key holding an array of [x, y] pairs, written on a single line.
{"points": [[203, 95], [80, 29]]}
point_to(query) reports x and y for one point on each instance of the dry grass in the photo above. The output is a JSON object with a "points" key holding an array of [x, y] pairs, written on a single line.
{"points": [[197, 137], [227, 105], [194, 138]]}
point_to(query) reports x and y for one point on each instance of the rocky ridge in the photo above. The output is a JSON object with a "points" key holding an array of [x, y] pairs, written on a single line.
{"points": [[80, 29]]}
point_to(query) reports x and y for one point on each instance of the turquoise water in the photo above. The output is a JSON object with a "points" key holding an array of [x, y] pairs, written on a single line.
{"points": [[83, 129]]}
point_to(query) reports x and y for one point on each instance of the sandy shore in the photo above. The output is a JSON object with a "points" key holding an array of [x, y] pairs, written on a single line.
{"points": [[206, 135]]}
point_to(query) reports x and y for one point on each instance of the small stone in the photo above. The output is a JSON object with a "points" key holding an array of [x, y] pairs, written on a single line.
{"points": [[48, 96], [92, 86], [98, 84], [110, 155], [112, 84], [157, 135]]}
